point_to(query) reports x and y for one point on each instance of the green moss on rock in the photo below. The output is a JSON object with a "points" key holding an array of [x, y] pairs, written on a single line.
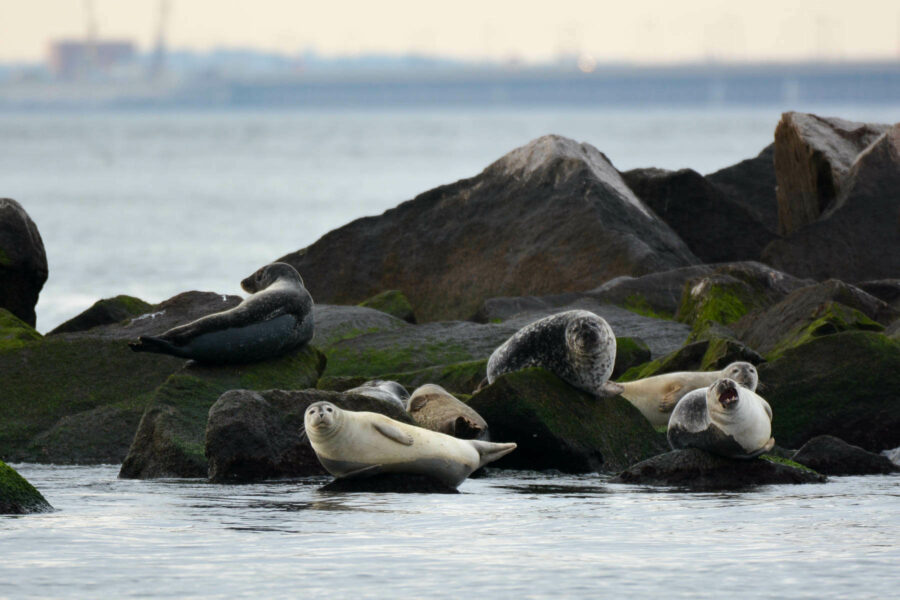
{"points": [[14, 332], [830, 318], [717, 299], [17, 496], [636, 303], [630, 352], [711, 354], [105, 312], [392, 302], [787, 462]]}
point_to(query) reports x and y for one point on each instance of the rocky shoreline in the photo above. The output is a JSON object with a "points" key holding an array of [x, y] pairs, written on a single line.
{"points": [[788, 260]]}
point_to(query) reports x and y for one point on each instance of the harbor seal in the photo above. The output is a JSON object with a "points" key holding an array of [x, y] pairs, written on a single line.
{"points": [[362, 444], [434, 408], [657, 396], [577, 345], [725, 419], [274, 319], [386, 391]]}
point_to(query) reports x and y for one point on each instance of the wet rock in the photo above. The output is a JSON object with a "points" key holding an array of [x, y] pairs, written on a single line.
{"points": [[15, 333], [832, 456], [393, 483], [23, 262], [17, 496], [100, 435], [701, 471], [392, 302], [559, 427], [751, 184], [252, 436], [550, 217], [892, 455], [106, 312]]}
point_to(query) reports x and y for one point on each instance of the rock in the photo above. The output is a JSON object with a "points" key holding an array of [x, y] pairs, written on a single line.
{"points": [[17, 496], [751, 184], [251, 436], [710, 354], [552, 216], [653, 295], [106, 312], [832, 456], [630, 352], [100, 435], [335, 323], [458, 378], [715, 228], [395, 483], [812, 158], [23, 262], [170, 438], [702, 471], [15, 333], [843, 385], [893, 331], [559, 427], [887, 290], [392, 302], [857, 235], [812, 311]]}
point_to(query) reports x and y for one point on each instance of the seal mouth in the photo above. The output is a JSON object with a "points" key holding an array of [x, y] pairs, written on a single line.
{"points": [[728, 396]]}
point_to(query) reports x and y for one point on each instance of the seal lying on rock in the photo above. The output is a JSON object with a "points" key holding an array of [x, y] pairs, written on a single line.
{"points": [[724, 419], [576, 345], [360, 444], [386, 391], [657, 396], [274, 319], [434, 408]]}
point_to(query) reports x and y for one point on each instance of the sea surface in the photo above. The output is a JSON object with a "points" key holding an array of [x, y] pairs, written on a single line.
{"points": [[509, 535], [152, 204]]}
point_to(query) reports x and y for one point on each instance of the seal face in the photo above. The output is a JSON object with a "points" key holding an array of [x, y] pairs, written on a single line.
{"points": [[725, 419], [434, 408], [360, 444], [576, 345], [385, 391], [275, 319]]}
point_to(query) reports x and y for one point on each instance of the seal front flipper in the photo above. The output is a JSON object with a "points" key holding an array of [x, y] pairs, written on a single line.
{"points": [[393, 433], [671, 398]]}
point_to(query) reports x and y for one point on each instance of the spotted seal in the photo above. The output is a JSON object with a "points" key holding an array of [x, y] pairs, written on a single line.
{"points": [[725, 419], [657, 396], [361, 444], [434, 408], [276, 318], [386, 391], [577, 345]]}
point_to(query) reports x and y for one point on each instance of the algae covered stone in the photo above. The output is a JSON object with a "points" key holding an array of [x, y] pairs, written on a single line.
{"points": [[712, 354], [105, 312], [17, 496], [14, 332], [392, 302]]}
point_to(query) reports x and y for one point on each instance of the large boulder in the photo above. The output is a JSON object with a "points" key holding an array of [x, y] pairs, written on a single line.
{"points": [[252, 436], [856, 233], [559, 427], [701, 471], [105, 312], [751, 184], [832, 456], [334, 323], [552, 216], [23, 262], [17, 496]]}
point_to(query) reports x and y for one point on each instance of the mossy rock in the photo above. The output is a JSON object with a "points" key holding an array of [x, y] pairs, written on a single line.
{"points": [[458, 378], [845, 385], [17, 496], [710, 354], [334, 323], [105, 312], [14, 332], [630, 352], [637, 303], [170, 438], [828, 319], [559, 427], [392, 302], [717, 299]]}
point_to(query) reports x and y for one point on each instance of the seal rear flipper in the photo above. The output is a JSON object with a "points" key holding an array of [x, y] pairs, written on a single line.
{"points": [[611, 388], [466, 429], [393, 433], [148, 343], [489, 451]]}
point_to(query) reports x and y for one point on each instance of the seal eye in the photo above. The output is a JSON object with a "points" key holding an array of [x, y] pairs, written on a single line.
{"points": [[328, 409]]}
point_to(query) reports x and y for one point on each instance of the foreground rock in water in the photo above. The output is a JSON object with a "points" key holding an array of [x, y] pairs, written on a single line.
{"points": [[17, 496], [23, 262], [396, 483], [699, 470], [559, 427], [252, 436], [832, 456], [170, 438], [553, 216]]}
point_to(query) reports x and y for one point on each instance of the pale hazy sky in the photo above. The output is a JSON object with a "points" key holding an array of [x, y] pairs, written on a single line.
{"points": [[636, 30]]}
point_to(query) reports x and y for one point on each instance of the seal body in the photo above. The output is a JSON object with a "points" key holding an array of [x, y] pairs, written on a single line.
{"points": [[276, 318], [386, 391], [361, 444], [434, 408], [724, 419], [576, 345], [657, 396]]}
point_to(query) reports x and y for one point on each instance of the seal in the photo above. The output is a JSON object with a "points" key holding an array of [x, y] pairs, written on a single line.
{"points": [[657, 396], [434, 408], [275, 319], [725, 419], [362, 444], [576, 345], [386, 391]]}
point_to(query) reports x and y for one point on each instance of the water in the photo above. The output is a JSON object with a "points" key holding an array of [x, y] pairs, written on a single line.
{"points": [[155, 203], [511, 535]]}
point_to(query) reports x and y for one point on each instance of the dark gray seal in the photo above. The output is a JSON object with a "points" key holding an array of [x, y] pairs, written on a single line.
{"points": [[577, 345], [275, 319], [380, 389], [724, 419]]}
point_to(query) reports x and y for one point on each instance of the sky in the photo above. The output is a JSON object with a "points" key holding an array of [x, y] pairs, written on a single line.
{"points": [[651, 31]]}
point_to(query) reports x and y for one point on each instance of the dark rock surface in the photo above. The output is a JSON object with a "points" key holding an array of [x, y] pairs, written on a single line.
{"points": [[335, 323], [751, 184], [552, 216], [252, 436], [832, 456], [654, 294], [700, 471], [23, 262], [887, 290], [710, 354], [105, 312], [391, 483], [17, 496]]}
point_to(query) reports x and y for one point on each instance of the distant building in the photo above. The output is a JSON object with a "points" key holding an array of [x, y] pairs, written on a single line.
{"points": [[75, 58]]}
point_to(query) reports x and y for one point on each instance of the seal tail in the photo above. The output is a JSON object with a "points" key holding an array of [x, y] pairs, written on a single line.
{"points": [[148, 343], [490, 451]]}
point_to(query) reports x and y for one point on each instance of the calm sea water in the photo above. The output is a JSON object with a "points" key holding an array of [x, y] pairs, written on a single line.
{"points": [[513, 535], [153, 204]]}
